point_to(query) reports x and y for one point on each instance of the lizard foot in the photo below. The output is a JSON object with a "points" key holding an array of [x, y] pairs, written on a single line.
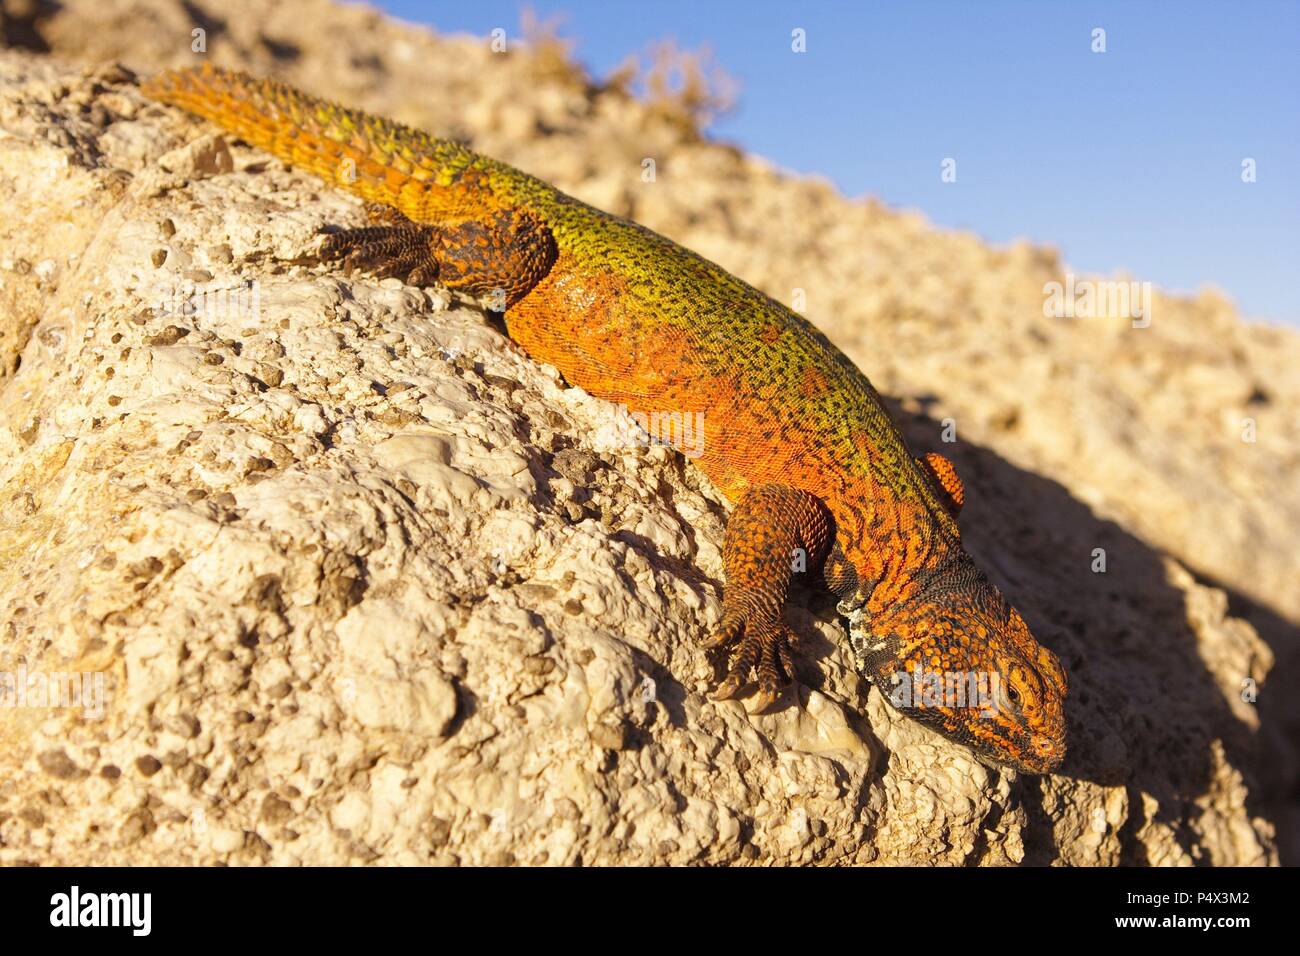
{"points": [[763, 646], [500, 258], [401, 250]]}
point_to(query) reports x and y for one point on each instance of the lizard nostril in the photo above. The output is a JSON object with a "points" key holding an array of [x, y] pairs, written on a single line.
{"points": [[1048, 752]]}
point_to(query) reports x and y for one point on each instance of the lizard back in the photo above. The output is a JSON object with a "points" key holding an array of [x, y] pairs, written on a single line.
{"points": [[625, 313]]}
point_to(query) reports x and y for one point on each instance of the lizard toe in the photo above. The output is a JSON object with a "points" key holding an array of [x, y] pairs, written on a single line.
{"points": [[336, 245], [728, 630], [729, 688], [775, 665], [398, 266], [425, 274], [764, 650], [745, 657]]}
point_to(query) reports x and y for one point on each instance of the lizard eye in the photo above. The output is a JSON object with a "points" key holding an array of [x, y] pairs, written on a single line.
{"points": [[1015, 695]]}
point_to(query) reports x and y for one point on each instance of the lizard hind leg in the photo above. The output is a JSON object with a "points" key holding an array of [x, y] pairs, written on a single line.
{"points": [[502, 255], [774, 532], [400, 248]]}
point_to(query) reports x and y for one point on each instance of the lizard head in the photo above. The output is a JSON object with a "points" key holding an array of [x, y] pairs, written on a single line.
{"points": [[957, 657]]}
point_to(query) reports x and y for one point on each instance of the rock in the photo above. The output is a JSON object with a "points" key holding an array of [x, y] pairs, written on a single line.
{"points": [[58, 764]]}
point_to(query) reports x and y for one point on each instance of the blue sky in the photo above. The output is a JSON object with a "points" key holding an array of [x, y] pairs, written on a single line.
{"points": [[1128, 159]]}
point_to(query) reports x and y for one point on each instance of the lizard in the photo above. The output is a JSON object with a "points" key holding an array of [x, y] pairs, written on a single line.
{"points": [[796, 439]]}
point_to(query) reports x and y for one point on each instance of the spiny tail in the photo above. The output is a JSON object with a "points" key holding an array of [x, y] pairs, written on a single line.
{"points": [[427, 179]]}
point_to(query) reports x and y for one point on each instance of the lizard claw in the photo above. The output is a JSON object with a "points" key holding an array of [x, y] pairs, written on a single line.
{"points": [[763, 648], [728, 631]]}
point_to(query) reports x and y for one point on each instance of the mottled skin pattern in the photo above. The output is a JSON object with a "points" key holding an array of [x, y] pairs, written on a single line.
{"points": [[794, 434]]}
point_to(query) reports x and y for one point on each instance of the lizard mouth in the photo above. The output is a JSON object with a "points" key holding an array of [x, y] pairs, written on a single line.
{"points": [[1041, 761], [1046, 753], [1043, 756]]}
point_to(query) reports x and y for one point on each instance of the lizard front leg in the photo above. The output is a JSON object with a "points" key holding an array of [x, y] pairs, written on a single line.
{"points": [[769, 528], [504, 254]]}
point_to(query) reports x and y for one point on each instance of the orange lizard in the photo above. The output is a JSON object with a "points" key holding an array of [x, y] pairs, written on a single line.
{"points": [[794, 434]]}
